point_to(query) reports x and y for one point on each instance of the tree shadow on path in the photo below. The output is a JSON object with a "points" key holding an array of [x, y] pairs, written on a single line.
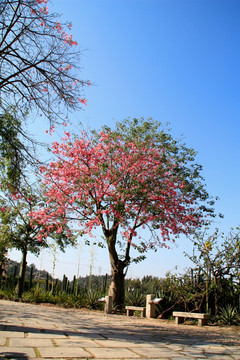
{"points": [[13, 355]]}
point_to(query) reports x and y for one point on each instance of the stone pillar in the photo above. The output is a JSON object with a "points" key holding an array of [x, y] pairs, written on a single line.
{"points": [[150, 307], [108, 304]]}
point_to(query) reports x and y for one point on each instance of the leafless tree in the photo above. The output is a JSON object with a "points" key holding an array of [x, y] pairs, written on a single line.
{"points": [[39, 61]]}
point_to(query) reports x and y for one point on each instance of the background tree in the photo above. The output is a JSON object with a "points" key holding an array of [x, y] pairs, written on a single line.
{"points": [[39, 60], [136, 176], [16, 153], [17, 231], [4, 246], [39, 75], [217, 258]]}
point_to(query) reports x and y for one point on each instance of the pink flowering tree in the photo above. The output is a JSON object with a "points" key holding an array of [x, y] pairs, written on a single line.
{"points": [[135, 177], [39, 64]]}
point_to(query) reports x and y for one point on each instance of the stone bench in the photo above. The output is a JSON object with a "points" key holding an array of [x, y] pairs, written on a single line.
{"points": [[108, 303], [181, 315], [131, 309]]}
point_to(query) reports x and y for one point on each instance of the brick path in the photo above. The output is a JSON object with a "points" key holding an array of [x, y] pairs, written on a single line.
{"points": [[39, 332]]}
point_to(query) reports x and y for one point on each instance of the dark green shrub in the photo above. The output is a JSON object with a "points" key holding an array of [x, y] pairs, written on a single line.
{"points": [[229, 315], [38, 296], [135, 298], [7, 294], [91, 299]]}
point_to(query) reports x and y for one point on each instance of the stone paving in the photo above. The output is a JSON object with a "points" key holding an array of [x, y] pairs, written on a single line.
{"points": [[40, 332]]}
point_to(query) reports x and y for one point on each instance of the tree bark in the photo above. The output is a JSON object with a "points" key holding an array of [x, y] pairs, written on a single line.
{"points": [[22, 272], [116, 289]]}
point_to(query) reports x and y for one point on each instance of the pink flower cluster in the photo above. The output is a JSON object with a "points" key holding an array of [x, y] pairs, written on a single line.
{"points": [[42, 1], [112, 182], [67, 38]]}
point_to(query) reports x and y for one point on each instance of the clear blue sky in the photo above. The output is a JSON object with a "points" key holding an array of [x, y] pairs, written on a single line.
{"points": [[176, 61]]}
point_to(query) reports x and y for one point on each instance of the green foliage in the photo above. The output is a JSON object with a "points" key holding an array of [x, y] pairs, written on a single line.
{"points": [[15, 223], [135, 298], [7, 294], [229, 315], [69, 301], [87, 299], [18, 231], [217, 259], [63, 299], [3, 256], [38, 296], [91, 299], [12, 150]]}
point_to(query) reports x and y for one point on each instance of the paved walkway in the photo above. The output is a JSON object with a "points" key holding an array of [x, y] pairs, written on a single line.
{"points": [[39, 332]]}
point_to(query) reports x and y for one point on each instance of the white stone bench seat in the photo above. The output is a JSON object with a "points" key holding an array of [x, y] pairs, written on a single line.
{"points": [[181, 315], [131, 309]]}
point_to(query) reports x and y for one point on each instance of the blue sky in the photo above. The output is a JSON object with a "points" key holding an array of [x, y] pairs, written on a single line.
{"points": [[176, 61]]}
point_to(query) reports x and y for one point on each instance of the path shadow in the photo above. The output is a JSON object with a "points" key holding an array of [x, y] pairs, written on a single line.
{"points": [[114, 327], [13, 355], [139, 334]]}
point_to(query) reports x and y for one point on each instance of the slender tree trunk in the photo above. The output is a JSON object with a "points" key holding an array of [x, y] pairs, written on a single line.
{"points": [[207, 288], [22, 272], [215, 294], [31, 278]]}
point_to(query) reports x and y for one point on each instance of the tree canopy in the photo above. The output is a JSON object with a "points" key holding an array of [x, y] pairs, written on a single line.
{"points": [[113, 181], [135, 176], [15, 152]]}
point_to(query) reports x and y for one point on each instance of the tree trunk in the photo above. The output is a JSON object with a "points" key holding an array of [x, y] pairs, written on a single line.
{"points": [[22, 271], [215, 294], [117, 289]]}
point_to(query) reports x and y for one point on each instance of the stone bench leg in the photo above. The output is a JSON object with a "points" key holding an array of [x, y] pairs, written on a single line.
{"points": [[179, 320], [129, 312], [108, 304], [202, 322]]}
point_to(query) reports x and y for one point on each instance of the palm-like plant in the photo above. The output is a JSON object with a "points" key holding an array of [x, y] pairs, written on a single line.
{"points": [[135, 298], [229, 315]]}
